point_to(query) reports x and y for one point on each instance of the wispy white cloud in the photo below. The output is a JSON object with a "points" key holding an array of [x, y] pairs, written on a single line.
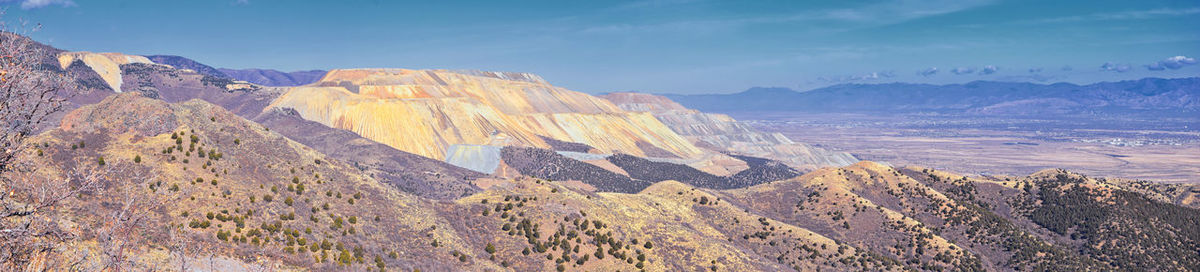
{"points": [[1115, 67], [855, 78], [34, 4], [1173, 63], [928, 72], [987, 70], [655, 3], [887, 13], [1124, 15]]}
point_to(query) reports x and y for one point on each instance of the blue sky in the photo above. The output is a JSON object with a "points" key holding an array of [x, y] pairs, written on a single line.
{"points": [[677, 46]]}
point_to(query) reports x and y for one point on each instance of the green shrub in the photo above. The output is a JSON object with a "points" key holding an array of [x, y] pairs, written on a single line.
{"points": [[100, 161], [345, 257], [337, 223]]}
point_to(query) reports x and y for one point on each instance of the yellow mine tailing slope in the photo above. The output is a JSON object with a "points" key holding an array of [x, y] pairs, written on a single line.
{"points": [[426, 111], [107, 65]]}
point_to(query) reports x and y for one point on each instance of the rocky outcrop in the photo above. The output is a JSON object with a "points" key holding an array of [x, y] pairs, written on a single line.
{"points": [[427, 111], [722, 133]]}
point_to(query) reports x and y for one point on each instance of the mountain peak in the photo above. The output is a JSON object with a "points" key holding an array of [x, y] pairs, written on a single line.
{"points": [[186, 63], [269, 77]]}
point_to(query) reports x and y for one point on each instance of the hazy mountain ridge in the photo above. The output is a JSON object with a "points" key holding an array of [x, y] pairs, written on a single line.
{"points": [[269, 77], [264, 77], [186, 63], [979, 97]]}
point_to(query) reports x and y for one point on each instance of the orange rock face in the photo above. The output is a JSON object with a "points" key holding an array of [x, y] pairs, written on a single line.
{"points": [[426, 111]]}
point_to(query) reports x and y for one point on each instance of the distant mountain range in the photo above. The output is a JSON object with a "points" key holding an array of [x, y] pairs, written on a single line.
{"points": [[265, 77], [1157, 95], [268, 77], [186, 63]]}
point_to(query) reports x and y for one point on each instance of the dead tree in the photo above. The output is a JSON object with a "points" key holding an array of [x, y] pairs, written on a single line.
{"points": [[128, 224], [29, 226], [30, 91]]}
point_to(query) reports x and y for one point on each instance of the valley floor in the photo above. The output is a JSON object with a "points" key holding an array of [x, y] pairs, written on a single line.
{"points": [[1166, 150]]}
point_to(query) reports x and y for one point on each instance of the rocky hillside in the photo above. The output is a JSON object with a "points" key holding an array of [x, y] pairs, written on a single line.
{"points": [[204, 181], [1052, 220], [214, 191], [411, 173], [722, 133]]}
